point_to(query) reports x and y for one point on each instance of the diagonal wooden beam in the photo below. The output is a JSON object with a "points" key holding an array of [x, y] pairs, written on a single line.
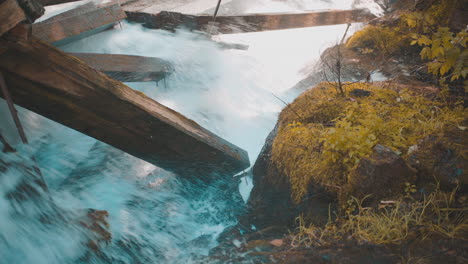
{"points": [[251, 22], [127, 68], [77, 24], [60, 87]]}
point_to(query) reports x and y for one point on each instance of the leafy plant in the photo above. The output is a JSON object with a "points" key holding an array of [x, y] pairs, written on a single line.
{"points": [[446, 51], [327, 143]]}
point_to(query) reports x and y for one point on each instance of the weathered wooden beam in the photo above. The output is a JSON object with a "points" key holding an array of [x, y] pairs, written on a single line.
{"points": [[13, 12], [78, 25], [66, 90], [264, 22], [156, 6], [79, 10], [127, 68], [55, 2], [251, 22], [226, 45]]}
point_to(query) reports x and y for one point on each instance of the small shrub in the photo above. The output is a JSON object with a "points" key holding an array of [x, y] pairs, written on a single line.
{"points": [[445, 50], [377, 40]]}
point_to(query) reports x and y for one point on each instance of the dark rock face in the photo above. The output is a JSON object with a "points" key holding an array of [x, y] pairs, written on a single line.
{"points": [[270, 202], [382, 175], [434, 158], [359, 93]]}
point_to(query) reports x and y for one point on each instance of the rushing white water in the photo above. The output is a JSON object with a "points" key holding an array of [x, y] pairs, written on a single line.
{"points": [[154, 216]]}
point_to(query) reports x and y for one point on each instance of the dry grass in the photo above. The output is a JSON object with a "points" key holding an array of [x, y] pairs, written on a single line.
{"points": [[433, 216]]}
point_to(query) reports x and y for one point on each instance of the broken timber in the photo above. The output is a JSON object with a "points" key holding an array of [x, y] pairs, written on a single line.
{"points": [[62, 88], [127, 68], [13, 12], [251, 22], [78, 24]]}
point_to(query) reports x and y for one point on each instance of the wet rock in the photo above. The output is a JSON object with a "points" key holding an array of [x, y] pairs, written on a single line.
{"points": [[382, 175], [270, 202], [100, 159]]}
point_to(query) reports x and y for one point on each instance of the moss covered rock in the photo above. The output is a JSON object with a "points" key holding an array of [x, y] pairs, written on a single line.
{"points": [[382, 175], [327, 149]]}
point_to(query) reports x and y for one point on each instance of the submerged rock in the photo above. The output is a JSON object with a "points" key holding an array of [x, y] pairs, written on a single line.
{"points": [[96, 222]]}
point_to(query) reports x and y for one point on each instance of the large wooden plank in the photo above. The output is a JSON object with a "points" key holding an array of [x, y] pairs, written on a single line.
{"points": [[78, 25], [79, 10], [11, 14], [58, 86], [181, 6], [127, 68], [55, 2], [250, 22]]}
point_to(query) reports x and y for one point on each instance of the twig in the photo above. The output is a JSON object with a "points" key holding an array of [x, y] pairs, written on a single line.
{"points": [[287, 105], [346, 32], [13, 111]]}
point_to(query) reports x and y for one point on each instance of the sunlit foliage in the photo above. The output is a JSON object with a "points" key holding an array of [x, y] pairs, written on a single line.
{"points": [[323, 137], [446, 51], [378, 40]]}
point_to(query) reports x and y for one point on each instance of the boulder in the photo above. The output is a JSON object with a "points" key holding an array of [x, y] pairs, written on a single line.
{"points": [[382, 175], [440, 157], [270, 202], [360, 93]]}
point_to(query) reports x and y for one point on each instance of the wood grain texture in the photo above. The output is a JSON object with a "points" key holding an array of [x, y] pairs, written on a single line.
{"points": [[127, 68], [11, 14], [251, 22], [66, 90], [53, 30], [55, 2]]}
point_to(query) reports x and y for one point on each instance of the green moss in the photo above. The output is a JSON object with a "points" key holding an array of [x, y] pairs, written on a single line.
{"points": [[321, 137]]}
